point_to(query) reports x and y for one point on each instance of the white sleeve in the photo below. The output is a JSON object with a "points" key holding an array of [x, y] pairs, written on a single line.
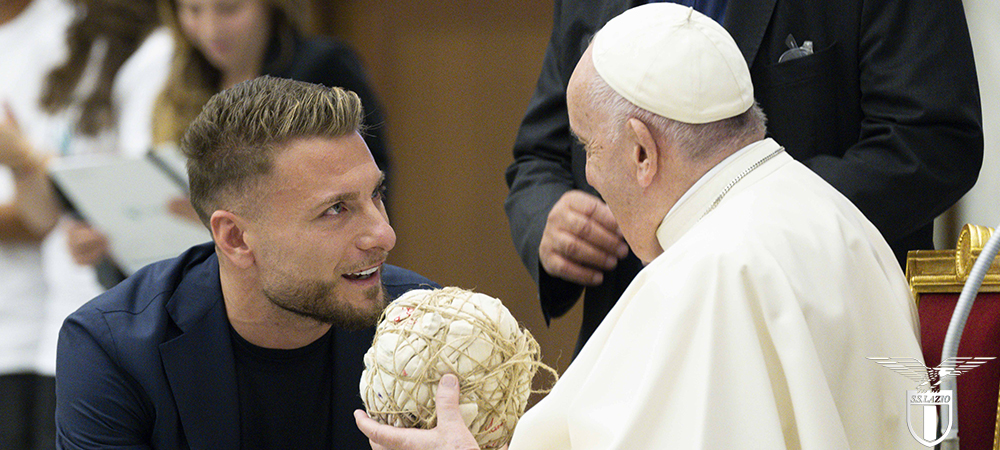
{"points": [[137, 85]]}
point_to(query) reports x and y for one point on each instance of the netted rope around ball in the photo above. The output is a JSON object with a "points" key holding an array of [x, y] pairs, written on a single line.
{"points": [[449, 331]]}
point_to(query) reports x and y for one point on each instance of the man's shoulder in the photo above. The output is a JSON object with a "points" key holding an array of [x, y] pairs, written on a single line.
{"points": [[398, 281], [153, 284]]}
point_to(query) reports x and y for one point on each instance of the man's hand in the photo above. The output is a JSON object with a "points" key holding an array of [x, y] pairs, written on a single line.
{"points": [[581, 239], [87, 245], [449, 434]]}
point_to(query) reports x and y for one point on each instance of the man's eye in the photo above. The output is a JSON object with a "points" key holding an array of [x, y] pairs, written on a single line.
{"points": [[379, 193], [336, 209]]}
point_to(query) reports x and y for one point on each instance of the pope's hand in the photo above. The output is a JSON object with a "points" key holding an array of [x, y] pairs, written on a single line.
{"points": [[449, 434], [581, 239]]}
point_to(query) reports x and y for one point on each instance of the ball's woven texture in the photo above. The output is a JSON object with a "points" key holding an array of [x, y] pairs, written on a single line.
{"points": [[425, 334]]}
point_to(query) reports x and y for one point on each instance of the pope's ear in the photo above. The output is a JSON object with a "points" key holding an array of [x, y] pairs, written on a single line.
{"points": [[229, 234], [645, 153]]}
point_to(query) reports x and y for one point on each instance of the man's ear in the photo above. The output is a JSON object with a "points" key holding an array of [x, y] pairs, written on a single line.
{"points": [[645, 153], [229, 233]]}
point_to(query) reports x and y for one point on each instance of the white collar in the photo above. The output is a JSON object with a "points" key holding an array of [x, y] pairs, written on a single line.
{"points": [[697, 200]]}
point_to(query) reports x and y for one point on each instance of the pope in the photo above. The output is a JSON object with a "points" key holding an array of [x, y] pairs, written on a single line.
{"points": [[764, 289]]}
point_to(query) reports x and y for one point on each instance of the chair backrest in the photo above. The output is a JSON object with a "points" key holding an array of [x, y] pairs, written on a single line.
{"points": [[936, 278]]}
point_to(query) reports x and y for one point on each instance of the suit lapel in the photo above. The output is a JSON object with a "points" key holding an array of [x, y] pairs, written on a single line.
{"points": [[199, 362], [747, 22]]}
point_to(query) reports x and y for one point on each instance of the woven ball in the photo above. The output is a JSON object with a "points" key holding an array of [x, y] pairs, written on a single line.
{"points": [[425, 334]]}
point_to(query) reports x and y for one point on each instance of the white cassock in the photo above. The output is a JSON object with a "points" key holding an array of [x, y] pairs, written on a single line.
{"points": [[750, 331]]}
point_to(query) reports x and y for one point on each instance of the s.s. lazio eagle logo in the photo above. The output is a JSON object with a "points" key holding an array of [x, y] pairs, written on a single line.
{"points": [[928, 395]]}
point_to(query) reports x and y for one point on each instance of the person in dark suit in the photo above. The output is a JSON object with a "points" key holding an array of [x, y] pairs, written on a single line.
{"points": [[257, 339], [880, 98]]}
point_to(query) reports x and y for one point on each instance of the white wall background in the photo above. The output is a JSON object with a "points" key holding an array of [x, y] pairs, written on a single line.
{"points": [[981, 206]]}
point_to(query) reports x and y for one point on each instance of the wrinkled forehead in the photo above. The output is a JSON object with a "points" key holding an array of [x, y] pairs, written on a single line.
{"points": [[581, 79], [580, 99]]}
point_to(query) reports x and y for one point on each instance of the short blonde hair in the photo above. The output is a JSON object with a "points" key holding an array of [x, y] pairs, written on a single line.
{"points": [[231, 144]]}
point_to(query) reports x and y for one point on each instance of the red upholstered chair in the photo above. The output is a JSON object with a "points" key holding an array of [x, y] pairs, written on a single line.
{"points": [[936, 278]]}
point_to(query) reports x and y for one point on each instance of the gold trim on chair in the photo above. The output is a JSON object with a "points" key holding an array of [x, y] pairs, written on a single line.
{"points": [[947, 270], [935, 271], [970, 244]]}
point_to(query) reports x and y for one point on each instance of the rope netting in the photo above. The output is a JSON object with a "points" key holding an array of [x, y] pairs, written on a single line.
{"points": [[425, 334]]}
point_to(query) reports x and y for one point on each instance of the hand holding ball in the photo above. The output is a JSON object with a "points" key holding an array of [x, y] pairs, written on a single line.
{"points": [[425, 334]]}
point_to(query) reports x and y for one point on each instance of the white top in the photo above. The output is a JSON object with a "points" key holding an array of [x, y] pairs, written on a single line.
{"points": [[30, 46], [38, 292], [136, 86], [751, 330]]}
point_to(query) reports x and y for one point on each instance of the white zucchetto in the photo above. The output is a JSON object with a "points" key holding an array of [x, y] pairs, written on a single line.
{"points": [[674, 61]]}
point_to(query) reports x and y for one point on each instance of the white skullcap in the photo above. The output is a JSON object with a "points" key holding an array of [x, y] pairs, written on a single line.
{"points": [[674, 61]]}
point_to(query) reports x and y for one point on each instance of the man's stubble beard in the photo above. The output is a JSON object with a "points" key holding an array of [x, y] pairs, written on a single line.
{"points": [[317, 300]]}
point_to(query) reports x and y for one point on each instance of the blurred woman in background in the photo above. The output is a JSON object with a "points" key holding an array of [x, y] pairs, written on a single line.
{"points": [[76, 78], [224, 42]]}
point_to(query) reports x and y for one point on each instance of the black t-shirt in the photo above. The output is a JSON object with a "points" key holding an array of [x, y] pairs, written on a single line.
{"points": [[285, 396]]}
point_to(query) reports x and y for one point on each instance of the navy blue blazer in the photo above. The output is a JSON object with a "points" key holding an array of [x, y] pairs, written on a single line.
{"points": [[149, 364]]}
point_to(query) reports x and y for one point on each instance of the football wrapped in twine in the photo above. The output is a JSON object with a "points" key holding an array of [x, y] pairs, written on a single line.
{"points": [[425, 334]]}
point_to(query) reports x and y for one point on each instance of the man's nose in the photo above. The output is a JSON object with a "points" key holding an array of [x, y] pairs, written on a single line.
{"points": [[378, 234]]}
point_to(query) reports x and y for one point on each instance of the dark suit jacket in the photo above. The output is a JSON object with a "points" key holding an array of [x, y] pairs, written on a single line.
{"points": [[149, 364], [886, 110]]}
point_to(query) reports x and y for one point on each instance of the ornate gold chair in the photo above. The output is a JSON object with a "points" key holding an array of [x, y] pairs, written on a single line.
{"points": [[936, 278]]}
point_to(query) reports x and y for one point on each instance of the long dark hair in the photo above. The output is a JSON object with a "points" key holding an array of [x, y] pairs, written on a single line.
{"points": [[123, 25]]}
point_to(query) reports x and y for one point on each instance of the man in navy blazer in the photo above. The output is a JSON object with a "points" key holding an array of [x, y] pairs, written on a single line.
{"points": [[884, 105], [255, 340]]}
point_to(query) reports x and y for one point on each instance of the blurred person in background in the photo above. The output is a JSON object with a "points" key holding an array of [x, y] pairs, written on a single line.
{"points": [[223, 42], [76, 78], [22, 285]]}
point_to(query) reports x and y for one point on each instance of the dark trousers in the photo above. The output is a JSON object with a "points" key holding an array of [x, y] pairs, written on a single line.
{"points": [[27, 412]]}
